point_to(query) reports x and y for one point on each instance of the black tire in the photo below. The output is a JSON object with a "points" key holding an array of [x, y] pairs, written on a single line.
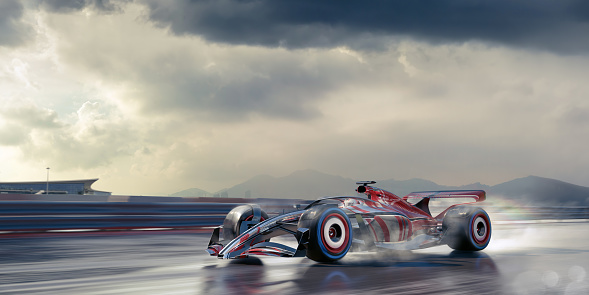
{"points": [[467, 228], [236, 217], [330, 233]]}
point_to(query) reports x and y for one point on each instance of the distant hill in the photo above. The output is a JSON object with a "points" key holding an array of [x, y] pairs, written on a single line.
{"points": [[311, 184], [192, 192], [534, 190], [304, 184]]}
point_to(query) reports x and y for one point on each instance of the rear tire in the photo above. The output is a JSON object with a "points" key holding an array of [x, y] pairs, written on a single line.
{"points": [[330, 233], [232, 225], [467, 228]]}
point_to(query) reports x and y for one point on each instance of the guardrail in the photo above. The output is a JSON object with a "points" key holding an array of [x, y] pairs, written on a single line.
{"points": [[33, 216], [39, 216], [45, 223], [11, 208]]}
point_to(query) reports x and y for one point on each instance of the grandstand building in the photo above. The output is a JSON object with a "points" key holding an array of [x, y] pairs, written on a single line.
{"points": [[71, 187]]}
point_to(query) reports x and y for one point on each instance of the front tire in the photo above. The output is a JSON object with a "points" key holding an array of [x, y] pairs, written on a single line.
{"points": [[240, 219], [330, 233], [467, 229]]}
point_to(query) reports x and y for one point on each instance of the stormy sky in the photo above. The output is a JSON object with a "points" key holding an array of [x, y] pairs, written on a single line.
{"points": [[154, 97]]}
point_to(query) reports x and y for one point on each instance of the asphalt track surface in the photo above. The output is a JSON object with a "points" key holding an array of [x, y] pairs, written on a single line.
{"points": [[541, 258]]}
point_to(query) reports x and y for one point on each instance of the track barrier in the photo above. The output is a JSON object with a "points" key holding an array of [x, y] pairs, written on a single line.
{"points": [[38, 215]]}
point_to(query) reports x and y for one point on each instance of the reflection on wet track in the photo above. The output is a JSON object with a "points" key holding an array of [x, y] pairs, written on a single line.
{"points": [[521, 259]]}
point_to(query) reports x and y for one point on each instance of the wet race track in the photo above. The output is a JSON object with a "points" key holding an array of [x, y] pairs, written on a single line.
{"points": [[549, 258]]}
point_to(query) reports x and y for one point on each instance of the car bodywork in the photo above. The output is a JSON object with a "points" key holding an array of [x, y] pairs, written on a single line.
{"points": [[379, 220]]}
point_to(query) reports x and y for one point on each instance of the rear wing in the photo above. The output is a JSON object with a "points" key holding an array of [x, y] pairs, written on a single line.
{"points": [[477, 195]]}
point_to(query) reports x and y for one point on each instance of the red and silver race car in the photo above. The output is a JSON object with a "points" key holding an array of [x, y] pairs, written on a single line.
{"points": [[327, 229]]}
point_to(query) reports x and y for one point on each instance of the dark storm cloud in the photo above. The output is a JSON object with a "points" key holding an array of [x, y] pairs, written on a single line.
{"points": [[65, 6], [544, 24], [12, 30]]}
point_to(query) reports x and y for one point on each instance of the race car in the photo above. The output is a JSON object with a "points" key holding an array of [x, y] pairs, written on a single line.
{"points": [[328, 228]]}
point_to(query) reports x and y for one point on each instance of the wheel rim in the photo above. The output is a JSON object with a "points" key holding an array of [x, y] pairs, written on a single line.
{"points": [[480, 230], [334, 233]]}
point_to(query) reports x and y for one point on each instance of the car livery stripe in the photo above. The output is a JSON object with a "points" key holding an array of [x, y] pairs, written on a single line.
{"points": [[383, 226], [409, 229], [401, 234], [374, 232], [405, 228]]}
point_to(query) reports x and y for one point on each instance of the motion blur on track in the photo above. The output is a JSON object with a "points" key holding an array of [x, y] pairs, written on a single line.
{"points": [[530, 258]]}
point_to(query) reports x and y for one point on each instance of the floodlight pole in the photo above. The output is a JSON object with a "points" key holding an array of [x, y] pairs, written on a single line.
{"points": [[47, 188]]}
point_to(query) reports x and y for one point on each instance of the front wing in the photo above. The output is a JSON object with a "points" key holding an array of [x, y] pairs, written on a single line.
{"points": [[254, 241]]}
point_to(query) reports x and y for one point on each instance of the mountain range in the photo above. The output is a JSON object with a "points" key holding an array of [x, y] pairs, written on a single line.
{"points": [[311, 184]]}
